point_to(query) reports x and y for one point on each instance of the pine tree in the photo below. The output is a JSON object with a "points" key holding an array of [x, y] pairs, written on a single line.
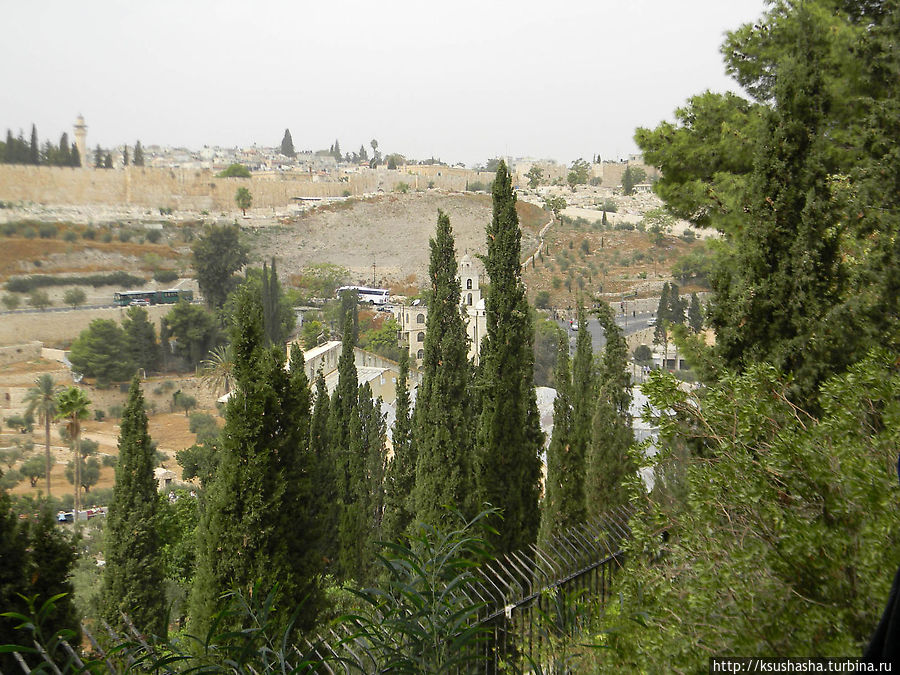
{"points": [[442, 429], [695, 314], [608, 462], [561, 507], [257, 525], [401, 472], [287, 144], [509, 439], [133, 575], [138, 154], [140, 339]]}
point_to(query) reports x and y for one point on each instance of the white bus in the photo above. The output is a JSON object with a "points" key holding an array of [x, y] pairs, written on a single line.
{"points": [[374, 296]]}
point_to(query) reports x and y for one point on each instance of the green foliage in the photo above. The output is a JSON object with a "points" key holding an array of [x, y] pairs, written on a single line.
{"points": [[258, 525], [141, 347], [33, 469], [401, 187], [204, 425], [216, 256], [546, 339], [442, 429], [312, 331], [542, 300], [181, 400], [579, 174], [39, 300], [508, 437], [74, 297], [695, 314], [631, 177], [609, 465], [535, 175], [657, 223], [243, 199], [555, 204], [35, 281], [321, 280], [11, 302], [133, 575], [381, 341], [813, 498], [41, 399], [234, 171], [400, 477], [195, 329], [199, 461], [643, 354], [101, 351], [165, 276], [287, 144]]}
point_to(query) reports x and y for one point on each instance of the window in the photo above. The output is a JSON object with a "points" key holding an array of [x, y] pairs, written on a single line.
{"points": [[470, 299], [420, 337], [469, 286], [420, 318], [420, 354]]}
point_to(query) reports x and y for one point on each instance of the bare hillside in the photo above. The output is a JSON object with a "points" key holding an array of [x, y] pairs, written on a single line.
{"points": [[391, 231]]}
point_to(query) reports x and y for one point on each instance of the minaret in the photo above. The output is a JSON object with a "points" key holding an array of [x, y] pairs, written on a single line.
{"points": [[81, 139]]}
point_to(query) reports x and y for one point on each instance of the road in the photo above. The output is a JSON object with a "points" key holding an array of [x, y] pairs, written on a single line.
{"points": [[629, 324]]}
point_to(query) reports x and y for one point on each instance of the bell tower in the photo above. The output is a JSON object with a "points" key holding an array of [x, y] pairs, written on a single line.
{"points": [[81, 139]]}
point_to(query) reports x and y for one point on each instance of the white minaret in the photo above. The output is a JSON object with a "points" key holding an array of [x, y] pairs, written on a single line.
{"points": [[81, 139]]}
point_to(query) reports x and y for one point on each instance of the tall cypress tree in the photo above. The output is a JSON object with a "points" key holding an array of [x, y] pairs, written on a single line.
{"points": [[287, 144], [695, 314], [138, 154], [509, 438], [325, 509], [133, 575], [561, 507], [401, 472], [608, 463], [584, 392], [442, 428], [257, 522], [34, 155]]}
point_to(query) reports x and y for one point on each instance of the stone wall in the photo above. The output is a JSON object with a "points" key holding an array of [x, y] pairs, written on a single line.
{"points": [[201, 189]]}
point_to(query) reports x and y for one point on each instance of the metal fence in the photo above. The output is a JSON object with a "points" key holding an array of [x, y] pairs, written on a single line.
{"points": [[520, 596], [519, 599]]}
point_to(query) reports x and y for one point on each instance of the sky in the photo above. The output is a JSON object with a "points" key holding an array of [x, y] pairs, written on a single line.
{"points": [[461, 81]]}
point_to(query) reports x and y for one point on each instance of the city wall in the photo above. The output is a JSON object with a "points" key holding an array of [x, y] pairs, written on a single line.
{"points": [[201, 189]]}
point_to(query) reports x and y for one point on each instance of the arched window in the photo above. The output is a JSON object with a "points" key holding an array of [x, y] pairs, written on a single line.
{"points": [[470, 298], [420, 337], [420, 318], [420, 354], [469, 286]]}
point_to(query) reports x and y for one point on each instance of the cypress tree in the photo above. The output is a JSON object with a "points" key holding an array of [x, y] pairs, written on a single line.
{"points": [[608, 463], [51, 556], [401, 472], [287, 144], [13, 560], [98, 157], [75, 156], [65, 154], [676, 306], [695, 314], [133, 576], [509, 439], [325, 509], [257, 522], [559, 499], [442, 428], [583, 397], [34, 155], [138, 154]]}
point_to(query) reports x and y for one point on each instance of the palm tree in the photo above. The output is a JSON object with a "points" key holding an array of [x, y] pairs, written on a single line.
{"points": [[217, 369], [72, 405], [41, 400]]}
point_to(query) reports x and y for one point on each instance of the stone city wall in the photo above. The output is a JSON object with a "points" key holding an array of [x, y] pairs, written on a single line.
{"points": [[201, 189]]}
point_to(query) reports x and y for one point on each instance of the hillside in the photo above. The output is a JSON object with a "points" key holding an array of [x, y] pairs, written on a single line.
{"points": [[391, 231]]}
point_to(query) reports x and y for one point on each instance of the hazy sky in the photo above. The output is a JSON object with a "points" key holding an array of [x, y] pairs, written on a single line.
{"points": [[459, 80]]}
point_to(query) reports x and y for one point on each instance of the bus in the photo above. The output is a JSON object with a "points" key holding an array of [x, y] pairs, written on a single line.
{"points": [[374, 296], [167, 297]]}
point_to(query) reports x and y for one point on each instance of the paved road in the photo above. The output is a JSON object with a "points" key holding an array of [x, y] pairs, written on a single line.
{"points": [[629, 324]]}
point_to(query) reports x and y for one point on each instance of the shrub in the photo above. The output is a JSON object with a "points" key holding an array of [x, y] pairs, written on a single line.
{"points": [[11, 302], [47, 230], [89, 234], [542, 300], [29, 233], [115, 411], [124, 235], [70, 236], [402, 187], [233, 171], [35, 281], [107, 237], [154, 236], [165, 276], [99, 415]]}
